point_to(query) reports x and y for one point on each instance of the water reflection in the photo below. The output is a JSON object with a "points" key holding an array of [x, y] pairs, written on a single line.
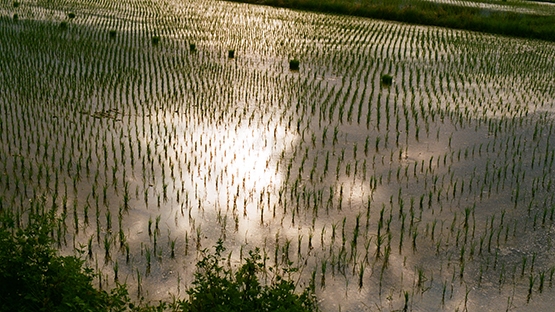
{"points": [[240, 172]]}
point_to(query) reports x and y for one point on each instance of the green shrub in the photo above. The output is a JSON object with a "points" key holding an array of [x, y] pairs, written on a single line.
{"points": [[192, 47], [63, 25], [34, 278], [219, 288], [231, 54], [113, 34], [71, 15], [16, 4]]}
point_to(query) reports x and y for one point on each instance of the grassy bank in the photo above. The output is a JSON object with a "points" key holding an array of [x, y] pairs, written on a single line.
{"points": [[507, 22]]}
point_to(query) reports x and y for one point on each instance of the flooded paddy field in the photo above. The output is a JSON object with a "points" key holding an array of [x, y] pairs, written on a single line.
{"points": [[433, 191]]}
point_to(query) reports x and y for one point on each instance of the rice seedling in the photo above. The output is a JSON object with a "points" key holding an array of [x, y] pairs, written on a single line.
{"points": [[531, 281], [294, 64], [386, 79]]}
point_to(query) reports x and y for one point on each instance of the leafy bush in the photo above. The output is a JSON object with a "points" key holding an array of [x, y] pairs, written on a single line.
{"points": [[219, 288], [34, 278]]}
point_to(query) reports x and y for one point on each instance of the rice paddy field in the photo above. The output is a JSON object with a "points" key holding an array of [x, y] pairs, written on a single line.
{"points": [[130, 121]]}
